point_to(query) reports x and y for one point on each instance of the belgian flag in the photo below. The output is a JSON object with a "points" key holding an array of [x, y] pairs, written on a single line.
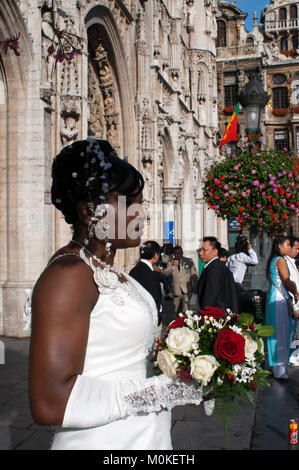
{"points": [[230, 133]]}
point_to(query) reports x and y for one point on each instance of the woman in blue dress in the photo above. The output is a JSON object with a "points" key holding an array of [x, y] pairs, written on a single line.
{"points": [[278, 345]]}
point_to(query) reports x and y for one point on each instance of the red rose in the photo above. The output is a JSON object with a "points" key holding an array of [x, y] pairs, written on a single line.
{"points": [[214, 312], [179, 322], [230, 346]]}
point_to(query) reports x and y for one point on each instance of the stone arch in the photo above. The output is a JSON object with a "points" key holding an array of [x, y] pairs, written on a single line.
{"points": [[14, 137], [108, 68], [168, 159]]}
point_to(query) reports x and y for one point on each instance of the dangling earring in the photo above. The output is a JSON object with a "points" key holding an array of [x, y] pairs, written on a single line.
{"points": [[91, 226]]}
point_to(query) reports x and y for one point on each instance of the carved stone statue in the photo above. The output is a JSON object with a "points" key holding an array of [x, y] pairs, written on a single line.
{"points": [[148, 182], [47, 41], [69, 132]]}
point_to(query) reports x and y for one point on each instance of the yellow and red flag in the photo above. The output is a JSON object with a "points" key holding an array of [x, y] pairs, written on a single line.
{"points": [[230, 133]]}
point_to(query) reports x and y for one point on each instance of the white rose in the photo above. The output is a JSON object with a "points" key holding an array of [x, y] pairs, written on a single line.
{"points": [[251, 346], [166, 361], [180, 340], [203, 368]]}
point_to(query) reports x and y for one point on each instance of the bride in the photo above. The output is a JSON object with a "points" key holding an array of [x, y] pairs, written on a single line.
{"points": [[93, 326]]}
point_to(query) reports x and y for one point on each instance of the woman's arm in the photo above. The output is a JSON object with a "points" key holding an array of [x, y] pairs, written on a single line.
{"points": [[285, 277], [62, 301]]}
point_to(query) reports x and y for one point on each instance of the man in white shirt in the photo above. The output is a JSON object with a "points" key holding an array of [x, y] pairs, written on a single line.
{"points": [[294, 276], [238, 262]]}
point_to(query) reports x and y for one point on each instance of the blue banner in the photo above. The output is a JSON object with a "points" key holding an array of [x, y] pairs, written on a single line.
{"points": [[168, 230]]}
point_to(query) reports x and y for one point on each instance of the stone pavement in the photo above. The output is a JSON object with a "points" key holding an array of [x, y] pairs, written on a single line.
{"points": [[264, 427]]}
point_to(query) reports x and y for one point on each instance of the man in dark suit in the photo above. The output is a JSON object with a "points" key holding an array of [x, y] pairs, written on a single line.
{"points": [[145, 274], [216, 287]]}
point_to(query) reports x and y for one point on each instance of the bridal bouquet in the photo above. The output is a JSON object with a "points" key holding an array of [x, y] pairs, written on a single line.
{"points": [[217, 350]]}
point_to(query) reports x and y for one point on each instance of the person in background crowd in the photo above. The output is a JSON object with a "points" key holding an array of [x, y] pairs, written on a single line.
{"points": [[216, 286], [280, 287], [238, 262], [294, 276], [223, 254], [146, 275], [165, 258], [184, 280]]}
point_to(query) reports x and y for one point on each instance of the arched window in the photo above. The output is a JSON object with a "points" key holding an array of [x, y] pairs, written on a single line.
{"points": [[282, 14], [293, 12], [221, 34], [279, 79], [284, 44], [295, 41]]}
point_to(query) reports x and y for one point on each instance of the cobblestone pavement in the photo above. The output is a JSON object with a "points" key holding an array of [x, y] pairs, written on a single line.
{"points": [[264, 427]]}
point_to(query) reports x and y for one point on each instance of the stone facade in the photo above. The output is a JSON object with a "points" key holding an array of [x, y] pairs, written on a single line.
{"points": [[146, 81], [271, 46]]}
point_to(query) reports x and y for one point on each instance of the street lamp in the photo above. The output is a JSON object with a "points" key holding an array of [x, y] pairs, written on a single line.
{"points": [[253, 99]]}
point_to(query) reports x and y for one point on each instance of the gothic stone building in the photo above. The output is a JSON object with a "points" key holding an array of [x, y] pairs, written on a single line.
{"points": [[146, 81]]}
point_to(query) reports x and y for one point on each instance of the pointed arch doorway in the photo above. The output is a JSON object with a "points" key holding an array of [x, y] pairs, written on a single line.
{"points": [[110, 102]]}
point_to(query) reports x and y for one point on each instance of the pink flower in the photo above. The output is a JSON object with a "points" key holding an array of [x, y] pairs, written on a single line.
{"points": [[263, 162], [255, 183], [244, 194], [259, 205], [225, 186], [253, 172]]}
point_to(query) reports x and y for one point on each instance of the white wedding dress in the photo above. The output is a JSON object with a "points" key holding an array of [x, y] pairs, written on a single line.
{"points": [[121, 336]]}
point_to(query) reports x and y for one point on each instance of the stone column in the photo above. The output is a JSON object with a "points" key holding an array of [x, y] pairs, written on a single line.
{"points": [[210, 223], [199, 220], [170, 209]]}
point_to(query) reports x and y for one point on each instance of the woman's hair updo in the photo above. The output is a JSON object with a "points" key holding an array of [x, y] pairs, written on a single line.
{"points": [[88, 170]]}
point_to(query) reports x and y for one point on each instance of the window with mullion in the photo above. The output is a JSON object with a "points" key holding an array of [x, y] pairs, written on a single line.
{"points": [[281, 139], [230, 95], [280, 98]]}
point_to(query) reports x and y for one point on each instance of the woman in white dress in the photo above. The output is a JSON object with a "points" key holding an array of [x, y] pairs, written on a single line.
{"points": [[93, 326]]}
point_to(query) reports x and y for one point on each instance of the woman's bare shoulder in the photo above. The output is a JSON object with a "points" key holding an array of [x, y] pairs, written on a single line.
{"points": [[66, 280]]}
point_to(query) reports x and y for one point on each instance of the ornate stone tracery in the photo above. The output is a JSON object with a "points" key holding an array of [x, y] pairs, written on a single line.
{"points": [[104, 116]]}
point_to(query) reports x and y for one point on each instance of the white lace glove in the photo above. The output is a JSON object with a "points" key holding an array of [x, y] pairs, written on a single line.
{"points": [[94, 402]]}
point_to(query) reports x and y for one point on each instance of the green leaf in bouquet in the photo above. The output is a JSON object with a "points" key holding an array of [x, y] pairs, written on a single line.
{"points": [[265, 330], [262, 373], [245, 319]]}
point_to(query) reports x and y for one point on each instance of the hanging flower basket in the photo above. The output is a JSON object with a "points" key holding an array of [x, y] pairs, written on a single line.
{"points": [[258, 187], [280, 112]]}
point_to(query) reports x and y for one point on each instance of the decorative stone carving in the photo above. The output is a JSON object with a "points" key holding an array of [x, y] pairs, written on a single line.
{"points": [[103, 109], [70, 116], [47, 40], [96, 121], [148, 191]]}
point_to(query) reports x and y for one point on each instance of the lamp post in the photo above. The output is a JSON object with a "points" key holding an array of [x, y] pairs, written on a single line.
{"points": [[253, 99]]}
